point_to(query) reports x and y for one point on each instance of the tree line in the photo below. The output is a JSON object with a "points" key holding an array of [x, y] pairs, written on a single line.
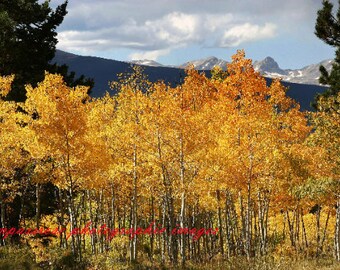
{"points": [[228, 152]]}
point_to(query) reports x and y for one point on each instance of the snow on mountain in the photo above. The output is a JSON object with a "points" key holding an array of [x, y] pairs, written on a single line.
{"points": [[267, 67], [270, 68], [206, 63], [307, 75], [104, 70], [146, 62]]}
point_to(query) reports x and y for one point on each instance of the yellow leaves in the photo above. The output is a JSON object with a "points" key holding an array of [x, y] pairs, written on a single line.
{"points": [[256, 131], [5, 85], [12, 131], [231, 134], [278, 98], [59, 128], [53, 95], [325, 137], [136, 80], [204, 135], [196, 91]]}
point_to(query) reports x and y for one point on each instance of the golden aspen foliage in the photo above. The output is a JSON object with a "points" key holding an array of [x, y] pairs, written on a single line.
{"points": [[13, 154], [59, 126], [5, 85], [230, 154]]}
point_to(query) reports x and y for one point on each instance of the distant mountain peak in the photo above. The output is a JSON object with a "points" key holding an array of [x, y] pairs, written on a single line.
{"points": [[269, 60], [207, 63], [146, 62], [269, 65], [104, 70], [211, 58]]}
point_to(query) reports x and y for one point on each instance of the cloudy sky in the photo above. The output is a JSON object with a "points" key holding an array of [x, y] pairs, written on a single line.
{"points": [[176, 31]]}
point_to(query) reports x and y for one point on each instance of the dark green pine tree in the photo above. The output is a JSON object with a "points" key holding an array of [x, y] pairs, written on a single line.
{"points": [[327, 28], [28, 41]]}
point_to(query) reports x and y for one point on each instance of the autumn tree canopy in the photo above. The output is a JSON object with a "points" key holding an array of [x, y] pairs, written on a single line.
{"points": [[222, 167]]}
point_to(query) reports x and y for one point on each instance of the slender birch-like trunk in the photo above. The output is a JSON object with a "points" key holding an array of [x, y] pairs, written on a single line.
{"points": [[37, 205], [337, 231], [133, 242], [220, 228], [182, 214], [2, 217]]}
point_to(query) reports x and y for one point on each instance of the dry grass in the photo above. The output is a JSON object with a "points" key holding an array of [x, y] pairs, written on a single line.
{"points": [[23, 258]]}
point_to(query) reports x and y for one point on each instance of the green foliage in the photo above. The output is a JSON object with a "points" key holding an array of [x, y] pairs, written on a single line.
{"points": [[218, 74], [327, 25], [28, 40], [327, 28]]}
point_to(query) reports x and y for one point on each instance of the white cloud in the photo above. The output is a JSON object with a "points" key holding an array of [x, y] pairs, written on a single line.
{"points": [[246, 32], [151, 29], [150, 55], [173, 29], [157, 37], [213, 22], [155, 28]]}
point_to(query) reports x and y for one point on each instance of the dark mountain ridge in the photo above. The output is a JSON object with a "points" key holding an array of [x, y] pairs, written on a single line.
{"points": [[105, 70]]}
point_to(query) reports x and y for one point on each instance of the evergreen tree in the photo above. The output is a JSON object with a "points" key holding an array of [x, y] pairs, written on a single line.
{"points": [[327, 28], [28, 41], [326, 120]]}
